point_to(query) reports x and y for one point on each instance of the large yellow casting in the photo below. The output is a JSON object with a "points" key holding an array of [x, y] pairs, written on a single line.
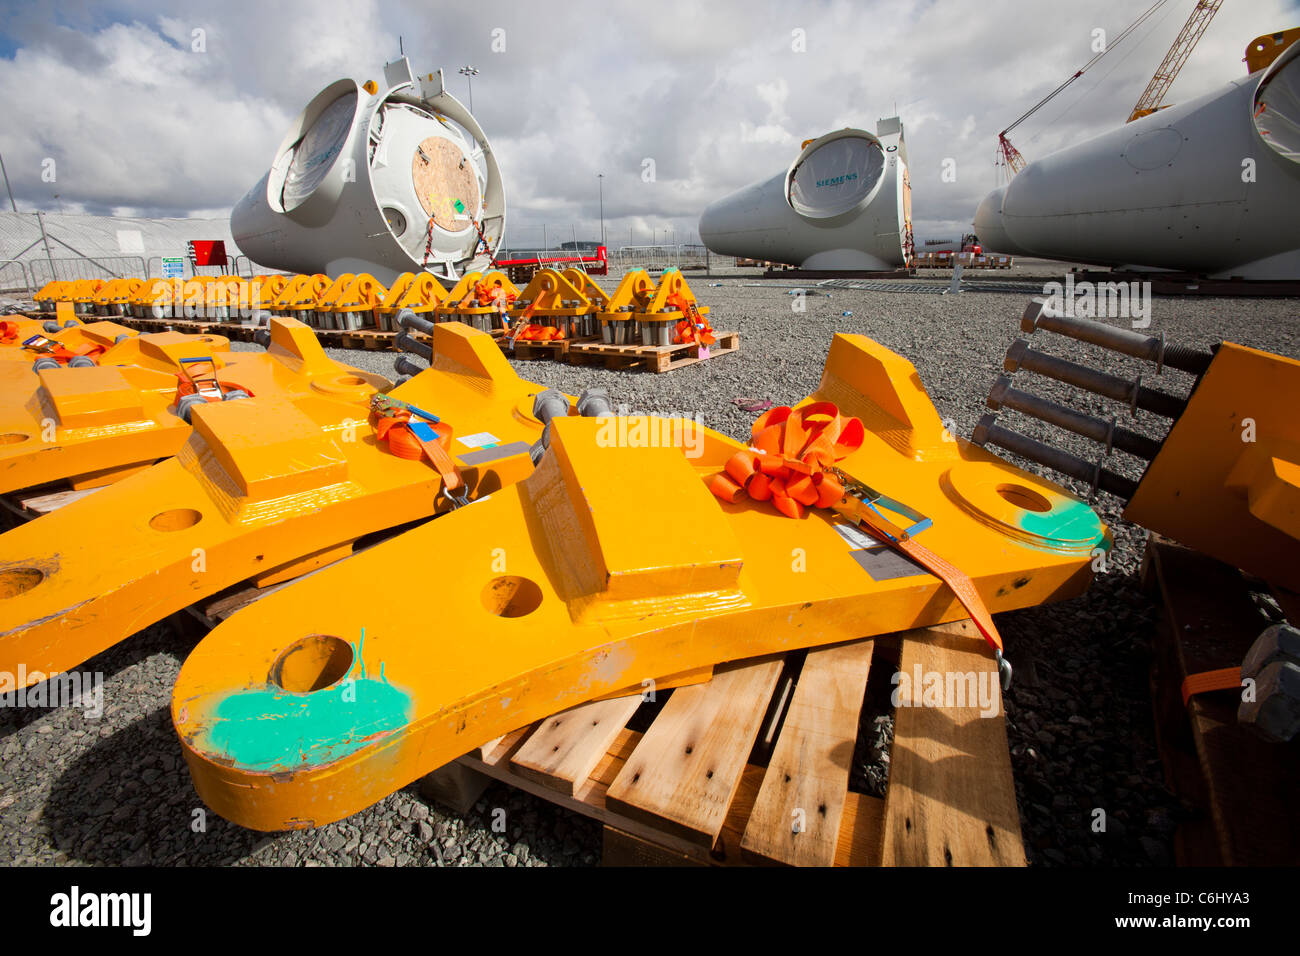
{"points": [[611, 563], [264, 488], [1227, 478]]}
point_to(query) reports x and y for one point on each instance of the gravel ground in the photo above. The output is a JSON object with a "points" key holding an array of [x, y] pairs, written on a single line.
{"points": [[113, 790]]}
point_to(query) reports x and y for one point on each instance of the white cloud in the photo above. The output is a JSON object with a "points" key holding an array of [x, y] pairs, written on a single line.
{"points": [[716, 94]]}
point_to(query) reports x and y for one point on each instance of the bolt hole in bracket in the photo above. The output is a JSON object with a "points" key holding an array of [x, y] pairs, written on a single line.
{"points": [[1040, 515], [16, 581], [312, 663], [175, 519], [511, 596]]}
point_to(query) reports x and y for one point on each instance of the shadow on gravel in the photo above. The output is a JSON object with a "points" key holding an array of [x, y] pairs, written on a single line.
{"points": [[162, 637], [129, 801], [1082, 731]]}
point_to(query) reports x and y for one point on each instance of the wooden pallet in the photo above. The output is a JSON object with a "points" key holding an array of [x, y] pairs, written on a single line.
{"points": [[655, 358], [1242, 787], [753, 766], [529, 350]]}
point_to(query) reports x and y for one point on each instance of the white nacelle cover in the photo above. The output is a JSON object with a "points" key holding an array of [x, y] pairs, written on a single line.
{"points": [[314, 154], [836, 177]]}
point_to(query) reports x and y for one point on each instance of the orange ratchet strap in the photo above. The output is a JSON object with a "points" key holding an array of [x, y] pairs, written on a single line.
{"points": [[694, 327], [1226, 678], [792, 464], [416, 440]]}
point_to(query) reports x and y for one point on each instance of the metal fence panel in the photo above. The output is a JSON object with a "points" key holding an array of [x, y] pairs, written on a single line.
{"points": [[99, 267], [682, 256], [14, 277]]}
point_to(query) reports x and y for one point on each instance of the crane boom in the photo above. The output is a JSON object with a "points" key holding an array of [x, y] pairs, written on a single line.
{"points": [[1167, 72], [1008, 156]]}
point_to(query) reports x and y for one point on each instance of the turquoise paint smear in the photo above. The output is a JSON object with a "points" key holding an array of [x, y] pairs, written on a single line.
{"points": [[1075, 521], [273, 729], [269, 728]]}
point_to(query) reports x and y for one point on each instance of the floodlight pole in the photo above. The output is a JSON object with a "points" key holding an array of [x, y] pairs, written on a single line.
{"points": [[469, 72]]}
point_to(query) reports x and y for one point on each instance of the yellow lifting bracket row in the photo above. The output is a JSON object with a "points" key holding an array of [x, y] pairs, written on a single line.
{"points": [[265, 488], [479, 300], [420, 292], [319, 700]]}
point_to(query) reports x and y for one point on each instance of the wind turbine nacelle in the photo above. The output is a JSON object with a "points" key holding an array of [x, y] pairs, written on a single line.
{"points": [[844, 203], [1210, 186], [367, 182]]}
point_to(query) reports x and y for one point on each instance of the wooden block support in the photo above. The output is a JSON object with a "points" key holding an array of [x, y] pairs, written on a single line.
{"points": [[455, 786], [951, 799], [796, 819]]}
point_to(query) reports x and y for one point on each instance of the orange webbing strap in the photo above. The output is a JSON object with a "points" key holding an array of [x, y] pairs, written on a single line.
{"points": [[956, 579], [788, 465], [524, 327], [475, 294], [1226, 678], [694, 327], [405, 443], [540, 333]]}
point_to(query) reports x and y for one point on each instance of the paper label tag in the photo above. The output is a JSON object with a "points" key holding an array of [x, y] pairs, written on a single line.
{"points": [[479, 440], [856, 537]]}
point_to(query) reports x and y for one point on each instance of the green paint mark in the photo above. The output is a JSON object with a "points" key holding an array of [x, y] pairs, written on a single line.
{"points": [[1075, 521], [269, 728], [460, 206], [272, 729]]}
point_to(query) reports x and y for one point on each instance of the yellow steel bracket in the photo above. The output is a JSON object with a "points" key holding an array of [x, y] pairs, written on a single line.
{"points": [[551, 293], [328, 300], [319, 700], [1263, 50], [671, 291], [593, 293], [419, 292], [263, 489], [632, 297], [93, 426], [300, 296], [1225, 479], [476, 294]]}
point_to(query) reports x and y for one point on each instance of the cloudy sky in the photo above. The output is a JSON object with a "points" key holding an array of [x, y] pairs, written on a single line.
{"points": [[172, 109]]}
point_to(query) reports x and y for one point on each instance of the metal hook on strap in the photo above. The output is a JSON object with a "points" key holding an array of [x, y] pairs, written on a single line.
{"points": [[1004, 670], [457, 501]]}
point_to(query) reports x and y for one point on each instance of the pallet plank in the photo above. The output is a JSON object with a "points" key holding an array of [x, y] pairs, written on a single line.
{"points": [[951, 800], [808, 776], [43, 504], [565, 749], [683, 775], [655, 358]]}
